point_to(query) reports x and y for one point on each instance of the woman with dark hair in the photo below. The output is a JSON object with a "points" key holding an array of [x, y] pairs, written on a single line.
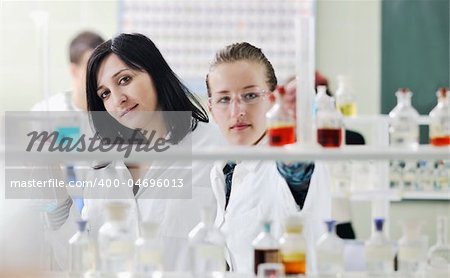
{"points": [[132, 90], [139, 55]]}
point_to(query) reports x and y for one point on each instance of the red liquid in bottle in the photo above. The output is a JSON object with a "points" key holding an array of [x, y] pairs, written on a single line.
{"points": [[440, 141], [329, 137], [279, 136]]}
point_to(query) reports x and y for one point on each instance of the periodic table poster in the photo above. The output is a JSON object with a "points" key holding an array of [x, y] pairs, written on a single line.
{"points": [[189, 32]]}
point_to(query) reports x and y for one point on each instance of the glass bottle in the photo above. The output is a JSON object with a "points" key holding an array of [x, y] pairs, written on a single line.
{"points": [[404, 125], [82, 251], [439, 254], [115, 242], [412, 247], [148, 250], [396, 174], [440, 119], [345, 99], [293, 247], [329, 121], [280, 122], [379, 252], [330, 252], [442, 178], [266, 247], [425, 175], [409, 175], [207, 247]]}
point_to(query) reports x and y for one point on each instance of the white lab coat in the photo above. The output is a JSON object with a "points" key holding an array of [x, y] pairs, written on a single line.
{"points": [[58, 102], [176, 217], [260, 192]]}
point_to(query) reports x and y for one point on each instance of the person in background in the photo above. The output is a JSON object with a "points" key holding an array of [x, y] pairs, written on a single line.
{"points": [[80, 49], [239, 83], [341, 210]]}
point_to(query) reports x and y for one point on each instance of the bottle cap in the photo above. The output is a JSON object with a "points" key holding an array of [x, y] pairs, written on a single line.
{"points": [[330, 225], [267, 226], [379, 224], [81, 225], [421, 164], [443, 92], [404, 90], [403, 93], [320, 79]]}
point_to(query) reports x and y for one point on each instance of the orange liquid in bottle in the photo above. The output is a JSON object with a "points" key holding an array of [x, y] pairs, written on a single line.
{"points": [[282, 135], [440, 141], [294, 267]]}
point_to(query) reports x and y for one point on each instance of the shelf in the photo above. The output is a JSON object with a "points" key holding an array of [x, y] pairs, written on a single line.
{"points": [[369, 194], [351, 274], [364, 119], [392, 195], [288, 153], [426, 195]]}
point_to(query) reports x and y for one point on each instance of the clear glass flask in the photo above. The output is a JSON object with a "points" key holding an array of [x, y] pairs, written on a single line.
{"points": [[207, 247], [345, 99], [82, 256], [115, 242], [148, 250], [440, 119], [439, 254], [412, 248], [379, 252], [329, 122], [266, 247], [330, 252], [280, 122], [404, 121], [293, 247]]}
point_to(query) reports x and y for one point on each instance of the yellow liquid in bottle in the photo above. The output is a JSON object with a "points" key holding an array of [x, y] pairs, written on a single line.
{"points": [[348, 109]]}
